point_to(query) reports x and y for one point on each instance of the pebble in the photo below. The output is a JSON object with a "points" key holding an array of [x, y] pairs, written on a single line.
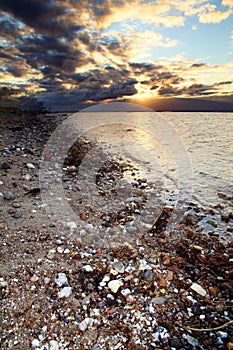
{"points": [[1, 183], [162, 283], [71, 224], [118, 266], [31, 166], [34, 278], [222, 335], [51, 254], [54, 345], [16, 215], [160, 333], [8, 195], [114, 285], [35, 343], [61, 280], [88, 268], [16, 205], [6, 166], [198, 289], [148, 275], [86, 323], [65, 292]]}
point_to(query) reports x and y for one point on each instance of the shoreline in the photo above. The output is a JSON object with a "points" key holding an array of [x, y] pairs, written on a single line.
{"points": [[59, 293]]}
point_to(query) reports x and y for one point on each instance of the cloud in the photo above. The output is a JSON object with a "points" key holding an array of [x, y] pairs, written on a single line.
{"points": [[98, 50], [212, 15]]}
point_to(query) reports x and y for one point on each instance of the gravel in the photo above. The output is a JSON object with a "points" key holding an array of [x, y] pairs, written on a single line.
{"points": [[164, 289]]}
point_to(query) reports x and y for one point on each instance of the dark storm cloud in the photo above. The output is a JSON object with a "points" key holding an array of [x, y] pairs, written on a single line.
{"points": [[39, 14], [66, 99], [192, 90]]}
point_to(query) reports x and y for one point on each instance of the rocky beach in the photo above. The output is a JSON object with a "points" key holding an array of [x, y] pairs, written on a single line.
{"points": [[157, 288]]}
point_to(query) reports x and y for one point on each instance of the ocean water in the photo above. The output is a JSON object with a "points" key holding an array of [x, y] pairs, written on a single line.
{"points": [[183, 160], [188, 153]]}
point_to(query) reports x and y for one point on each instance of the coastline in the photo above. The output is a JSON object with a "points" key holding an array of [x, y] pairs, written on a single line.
{"points": [[163, 283]]}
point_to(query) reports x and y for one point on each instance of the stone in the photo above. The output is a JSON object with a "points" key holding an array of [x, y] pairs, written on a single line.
{"points": [[160, 334], [118, 266], [35, 343], [87, 268], [72, 225], [86, 323], [16, 215], [162, 283], [65, 292], [54, 345], [61, 280], [31, 166], [148, 275], [16, 205], [8, 195], [34, 278], [51, 254], [198, 289], [6, 166], [114, 285], [212, 291], [159, 300]]}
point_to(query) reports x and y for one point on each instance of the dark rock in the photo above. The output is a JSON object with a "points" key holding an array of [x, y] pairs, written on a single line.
{"points": [[6, 166], [176, 343], [16, 215]]}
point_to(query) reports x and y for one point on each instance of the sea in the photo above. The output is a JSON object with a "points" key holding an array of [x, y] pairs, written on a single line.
{"points": [[188, 155]]}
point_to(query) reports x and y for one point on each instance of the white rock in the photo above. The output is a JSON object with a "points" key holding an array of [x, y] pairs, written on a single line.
{"points": [[3, 283], [53, 345], [61, 280], [60, 250], [222, 335], [110, 296], [198, 289], [28, 177], [125, 291], [31, 166], [1, 183], [51, 254], [85, 323], [114, 285], [65, 292], [88, 268], [35, 343], [71, 225]]}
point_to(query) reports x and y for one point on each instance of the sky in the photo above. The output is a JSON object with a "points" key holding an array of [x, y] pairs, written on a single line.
{"points": [[69, 52]]}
